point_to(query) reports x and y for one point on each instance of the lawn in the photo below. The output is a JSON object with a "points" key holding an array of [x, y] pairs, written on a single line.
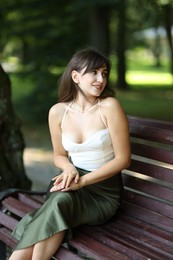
{"points": [[149, 103], [150, 91]]}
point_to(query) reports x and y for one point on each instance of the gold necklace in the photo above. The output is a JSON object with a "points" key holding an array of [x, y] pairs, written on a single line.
{"points": [[85, 110]]}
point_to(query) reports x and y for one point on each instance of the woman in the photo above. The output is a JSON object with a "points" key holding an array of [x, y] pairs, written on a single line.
{"points": [[90, 137]]}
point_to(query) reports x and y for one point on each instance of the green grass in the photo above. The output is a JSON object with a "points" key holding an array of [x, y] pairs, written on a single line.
{"points": [[148, 103], [141, 78], [144, 72], [150, 91]]}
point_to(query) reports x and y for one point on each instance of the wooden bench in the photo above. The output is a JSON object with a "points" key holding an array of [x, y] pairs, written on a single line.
{"points": [[143, 227]]}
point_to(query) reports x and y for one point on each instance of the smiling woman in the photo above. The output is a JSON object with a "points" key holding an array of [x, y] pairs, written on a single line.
{"points": [[90, 138]]}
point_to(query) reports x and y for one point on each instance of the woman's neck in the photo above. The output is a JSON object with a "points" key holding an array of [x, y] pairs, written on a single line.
{"points": [[82, 105]]}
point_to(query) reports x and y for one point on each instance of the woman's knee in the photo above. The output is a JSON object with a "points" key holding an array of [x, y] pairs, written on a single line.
{"points": [[21, 254]]}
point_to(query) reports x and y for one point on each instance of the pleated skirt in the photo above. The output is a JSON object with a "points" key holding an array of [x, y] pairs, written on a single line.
{"points": [[91, 205]]}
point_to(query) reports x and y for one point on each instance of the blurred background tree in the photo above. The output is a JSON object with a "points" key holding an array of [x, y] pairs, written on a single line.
{"points": [[38, 37], [12, 172]]}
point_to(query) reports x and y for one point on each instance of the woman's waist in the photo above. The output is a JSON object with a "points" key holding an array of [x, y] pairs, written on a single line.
{"points": [[90, 161]]}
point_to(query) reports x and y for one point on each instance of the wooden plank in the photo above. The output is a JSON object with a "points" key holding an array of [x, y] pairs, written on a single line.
{"points": [[93, 249], [31, 201], [152, 133], [148, 187], [154, 171], [7, 221], [5, 235], [147, 216], [149, 203], [65, 254], [158, 234], [152, 152], [142, 238], [149, 236], [117, 243], [16, 207], [135, 121]]}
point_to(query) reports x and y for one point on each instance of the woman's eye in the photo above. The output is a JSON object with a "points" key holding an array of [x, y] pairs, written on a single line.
{"points": [[94, 72], [104, 74]]}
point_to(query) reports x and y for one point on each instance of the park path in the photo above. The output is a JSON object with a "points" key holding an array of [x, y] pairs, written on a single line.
{"points": [[39, 167]]}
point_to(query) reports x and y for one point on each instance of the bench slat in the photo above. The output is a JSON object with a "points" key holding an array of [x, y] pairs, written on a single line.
{"points": [[7, 221], [7, 238], [94, 249], [152, 133], [136, 121], [147, 216], [145, 245], [65, 254], [142, 239], [152, 152], [160, 235], [16, 207], [116, 242], [148, 187], [148, 203], [32, 201], [154, 171]]}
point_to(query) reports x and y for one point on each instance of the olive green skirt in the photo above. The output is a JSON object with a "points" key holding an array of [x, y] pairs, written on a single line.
{"points": [[91, 205]]}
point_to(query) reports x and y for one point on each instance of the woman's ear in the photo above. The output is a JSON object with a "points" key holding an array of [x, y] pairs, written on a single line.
{"points": [[74, 76]]}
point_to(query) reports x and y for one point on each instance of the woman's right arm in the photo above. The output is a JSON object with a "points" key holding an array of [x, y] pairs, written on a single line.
{"points": [[61, 159]]}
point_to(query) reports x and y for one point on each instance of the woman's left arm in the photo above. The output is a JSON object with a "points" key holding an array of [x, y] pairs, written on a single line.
{"points": [[119, 131]]}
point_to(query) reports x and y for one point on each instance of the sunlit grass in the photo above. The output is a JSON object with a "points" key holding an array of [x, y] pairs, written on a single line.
{"points": [[142, 70], [149, 78]]}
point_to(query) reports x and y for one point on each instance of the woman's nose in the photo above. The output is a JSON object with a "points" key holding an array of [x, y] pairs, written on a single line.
{"points": [[99, 77]]}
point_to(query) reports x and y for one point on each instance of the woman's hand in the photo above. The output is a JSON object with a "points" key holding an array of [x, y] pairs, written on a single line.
{"points": [[73, 185], [63, 181]]}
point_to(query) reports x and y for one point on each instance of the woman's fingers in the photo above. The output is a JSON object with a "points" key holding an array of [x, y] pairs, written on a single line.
{"points": [[77, 178], [67, 181], [64, 180]]}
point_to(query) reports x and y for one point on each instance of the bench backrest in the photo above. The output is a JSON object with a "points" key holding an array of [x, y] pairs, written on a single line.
{"points": [[148, 182]]}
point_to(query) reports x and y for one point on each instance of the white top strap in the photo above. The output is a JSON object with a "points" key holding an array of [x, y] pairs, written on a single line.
{"points": [[101, 115], [67, 108]]}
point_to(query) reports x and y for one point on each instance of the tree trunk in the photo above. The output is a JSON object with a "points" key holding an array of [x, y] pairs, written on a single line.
{"points": [[168, 24], [121, 46], [99, 28], [12, 172]]}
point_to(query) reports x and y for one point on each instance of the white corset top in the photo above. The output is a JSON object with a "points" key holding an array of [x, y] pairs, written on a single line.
{"points": [[92, 153]]}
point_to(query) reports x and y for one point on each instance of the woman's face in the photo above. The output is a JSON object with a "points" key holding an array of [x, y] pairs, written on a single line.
{"points": [[92, 83]]}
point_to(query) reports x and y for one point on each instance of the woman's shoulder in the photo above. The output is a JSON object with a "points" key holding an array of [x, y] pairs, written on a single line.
{"points": [[112, 109], [110, 103], [57, 110]]}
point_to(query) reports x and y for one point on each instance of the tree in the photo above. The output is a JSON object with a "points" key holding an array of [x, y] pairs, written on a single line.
{"points": [[121, 45], [12, 172], [99, 17], [168, 21]]}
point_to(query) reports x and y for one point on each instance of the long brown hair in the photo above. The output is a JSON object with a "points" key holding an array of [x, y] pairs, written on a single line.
{"points": [[90, 59]]}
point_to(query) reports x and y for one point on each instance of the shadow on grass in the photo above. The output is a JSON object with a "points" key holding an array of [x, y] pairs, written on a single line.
{"points": [[149, 102]]}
